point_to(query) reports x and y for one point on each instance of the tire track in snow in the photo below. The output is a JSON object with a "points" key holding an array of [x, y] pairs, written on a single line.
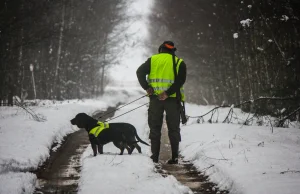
{"points": [[184, 172], [61, 171]]}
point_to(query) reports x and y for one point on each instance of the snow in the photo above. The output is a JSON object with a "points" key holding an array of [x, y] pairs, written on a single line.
{"points": [[231, 154], [17, 182], [128, 173], [25, 143], [235, 35], [284, 18], [246, 22], [113, 173], [242, 159], [260, 49]]}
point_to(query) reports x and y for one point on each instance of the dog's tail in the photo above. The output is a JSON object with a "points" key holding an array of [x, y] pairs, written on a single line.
{"points": [[139, 139]]}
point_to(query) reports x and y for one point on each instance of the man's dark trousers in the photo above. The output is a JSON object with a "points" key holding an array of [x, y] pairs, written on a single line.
{"points": [[155, 119]]}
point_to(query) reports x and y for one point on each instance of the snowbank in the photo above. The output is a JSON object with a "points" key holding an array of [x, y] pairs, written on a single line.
{"points": [[25, 143], [243, 159]]}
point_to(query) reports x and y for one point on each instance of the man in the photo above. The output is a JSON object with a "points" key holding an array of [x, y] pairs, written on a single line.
{"points": [[165, 92]]}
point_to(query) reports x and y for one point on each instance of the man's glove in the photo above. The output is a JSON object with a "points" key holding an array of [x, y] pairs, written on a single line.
{"points": [[150, 91]]}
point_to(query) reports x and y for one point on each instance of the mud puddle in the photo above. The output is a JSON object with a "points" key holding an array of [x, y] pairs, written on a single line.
{"points": [[61, 172]]}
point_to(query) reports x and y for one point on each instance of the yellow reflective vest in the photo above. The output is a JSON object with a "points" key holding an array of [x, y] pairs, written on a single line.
{"points": [[161, 75], [97, 130]]}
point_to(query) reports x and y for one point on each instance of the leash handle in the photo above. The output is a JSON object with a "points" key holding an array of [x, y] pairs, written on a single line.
{"points": [[122, 106]]}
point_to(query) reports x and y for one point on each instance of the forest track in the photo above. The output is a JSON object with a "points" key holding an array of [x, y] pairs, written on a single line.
{"points": [[61, 171], [185, 172]]}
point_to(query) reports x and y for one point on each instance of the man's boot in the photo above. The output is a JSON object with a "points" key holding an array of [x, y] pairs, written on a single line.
{"points": [[155, 147], [175, 149]]}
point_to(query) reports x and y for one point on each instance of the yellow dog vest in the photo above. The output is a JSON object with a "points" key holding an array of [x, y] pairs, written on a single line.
{"points": [[97, 130]]}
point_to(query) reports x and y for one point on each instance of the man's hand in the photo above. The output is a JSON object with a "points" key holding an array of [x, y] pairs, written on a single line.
{"points": [[150, 91], [162, 96]]}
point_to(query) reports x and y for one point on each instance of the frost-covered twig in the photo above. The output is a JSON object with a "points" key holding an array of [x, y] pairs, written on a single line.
{"points": [[291, 171], [270, 123], [230, 144], [116, 164], [217, 158], [222, 154], [205, 169], [228, 115], [113, 159], [231, 112], [208, 112], [264, 98]]}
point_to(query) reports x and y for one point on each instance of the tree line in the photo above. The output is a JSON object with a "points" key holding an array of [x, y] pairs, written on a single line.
{"points": [[236, 50], [55, 49]]}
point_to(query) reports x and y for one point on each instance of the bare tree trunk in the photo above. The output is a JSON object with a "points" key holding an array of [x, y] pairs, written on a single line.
{"points": [[103, 67], [20, 53], [239, 85], [213, 93], [61, 32], [250, 78], [21, 67], [102, 79], [203, 98]]}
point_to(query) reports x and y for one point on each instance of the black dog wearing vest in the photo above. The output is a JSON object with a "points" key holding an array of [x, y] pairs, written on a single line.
{"points": [[123, 135]]}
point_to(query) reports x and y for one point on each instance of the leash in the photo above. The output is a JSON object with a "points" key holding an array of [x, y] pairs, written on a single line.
{"points": [[122, 106], [126, 112]]}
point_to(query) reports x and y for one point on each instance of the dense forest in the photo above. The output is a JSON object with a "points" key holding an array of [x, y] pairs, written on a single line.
{"points": [[65, 43], [235, 51]]}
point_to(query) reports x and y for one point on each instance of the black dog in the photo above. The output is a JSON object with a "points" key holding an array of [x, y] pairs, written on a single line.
{"points": [[121, 134]]}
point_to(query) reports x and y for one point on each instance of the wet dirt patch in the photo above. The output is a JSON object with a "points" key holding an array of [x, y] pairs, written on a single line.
{"points": [[184, 171], [61, 171]]}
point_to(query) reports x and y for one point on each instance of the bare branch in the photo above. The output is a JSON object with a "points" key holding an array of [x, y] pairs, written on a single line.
{"points": [[281, 121], [35, 116]]}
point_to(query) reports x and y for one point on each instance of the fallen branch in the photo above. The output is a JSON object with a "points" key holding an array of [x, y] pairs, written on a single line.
{"points": [[229, 116], [281, 121], [209, 111], [264, 98], [31, 112]]}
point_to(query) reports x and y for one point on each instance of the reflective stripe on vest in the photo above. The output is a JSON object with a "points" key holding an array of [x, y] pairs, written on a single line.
{"points": [[160, 80], [97, 130], [161, 75]]}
